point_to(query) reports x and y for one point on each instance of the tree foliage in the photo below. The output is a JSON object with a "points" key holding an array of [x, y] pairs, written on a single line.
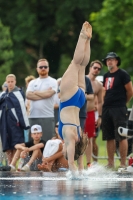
{"points": [[6, 53], [113, 24], [41, 28]]}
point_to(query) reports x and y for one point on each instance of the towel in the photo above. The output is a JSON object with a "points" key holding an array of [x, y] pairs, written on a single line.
{"points": [[51, 147]]}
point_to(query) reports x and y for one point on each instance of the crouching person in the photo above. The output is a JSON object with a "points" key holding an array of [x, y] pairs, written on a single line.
{"points": [[32, 149], [53, 157]]}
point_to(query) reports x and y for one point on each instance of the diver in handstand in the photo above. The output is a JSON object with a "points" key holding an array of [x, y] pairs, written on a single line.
{"points": [[72, 96]]}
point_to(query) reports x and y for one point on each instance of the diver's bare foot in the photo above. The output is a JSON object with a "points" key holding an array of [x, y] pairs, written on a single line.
{"points": [[86, 31], [44, 168]]}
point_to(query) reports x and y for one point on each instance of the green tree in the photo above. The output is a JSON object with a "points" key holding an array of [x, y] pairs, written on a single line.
{"points": [[6, 53], [113, 24], [41, 28]]}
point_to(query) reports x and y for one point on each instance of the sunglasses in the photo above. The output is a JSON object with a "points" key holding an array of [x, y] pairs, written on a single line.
{"points": [[41, 67], [99, 69]]}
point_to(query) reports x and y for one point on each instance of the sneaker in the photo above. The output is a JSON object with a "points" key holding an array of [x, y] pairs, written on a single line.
{"points": [[126, 169], [20, 164], [13, 169], [25, 168]]}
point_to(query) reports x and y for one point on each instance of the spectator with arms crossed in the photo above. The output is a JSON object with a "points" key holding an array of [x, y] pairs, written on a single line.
{"points": [[41, 92]]}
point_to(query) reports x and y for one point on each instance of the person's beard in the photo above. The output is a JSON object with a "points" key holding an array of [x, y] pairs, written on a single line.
{"points": [[110, 68], [43, 73]]}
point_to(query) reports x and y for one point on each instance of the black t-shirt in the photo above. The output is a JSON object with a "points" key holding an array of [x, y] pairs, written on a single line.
{"points": [[114, 84], [89, 90], [31, 143]]}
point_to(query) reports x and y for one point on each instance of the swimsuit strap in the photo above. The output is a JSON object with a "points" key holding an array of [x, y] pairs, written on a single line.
{"points": [[76, 126]]}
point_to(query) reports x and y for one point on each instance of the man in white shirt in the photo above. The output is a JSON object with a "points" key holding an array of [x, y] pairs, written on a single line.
{"points": [[41, 93]]}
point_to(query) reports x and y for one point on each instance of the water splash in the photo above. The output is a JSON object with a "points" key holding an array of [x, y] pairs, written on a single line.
{"points": [[97, 173], [94, 173]]}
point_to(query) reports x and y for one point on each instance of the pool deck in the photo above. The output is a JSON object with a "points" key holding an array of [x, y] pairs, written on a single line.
{"points": [[32, 185]]}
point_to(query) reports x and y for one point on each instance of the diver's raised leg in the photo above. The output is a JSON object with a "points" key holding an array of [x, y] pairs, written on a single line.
{"points": [[83, 44], [87, 54], [73, 76], [81, 78], [86, 58]]}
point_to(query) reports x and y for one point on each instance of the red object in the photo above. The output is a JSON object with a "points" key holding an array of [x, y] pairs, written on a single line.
{"points": [[130, 161]]}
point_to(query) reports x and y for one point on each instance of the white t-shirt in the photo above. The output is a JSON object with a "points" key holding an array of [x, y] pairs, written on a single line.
{"points": [[45, 107], [56, 99]]}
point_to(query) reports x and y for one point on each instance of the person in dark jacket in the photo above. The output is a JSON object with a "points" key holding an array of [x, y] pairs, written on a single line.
{"points": [[13, 117]]}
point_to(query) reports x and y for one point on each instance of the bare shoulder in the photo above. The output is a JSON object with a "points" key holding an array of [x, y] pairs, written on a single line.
{"points": [[98, 85]]}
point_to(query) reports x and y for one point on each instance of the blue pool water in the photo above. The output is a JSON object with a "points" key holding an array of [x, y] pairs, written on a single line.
{"points": [[55, 186]]}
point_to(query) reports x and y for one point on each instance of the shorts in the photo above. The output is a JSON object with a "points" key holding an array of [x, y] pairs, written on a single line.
{"points": [[97, 130], [89, 128], [112, 118]]}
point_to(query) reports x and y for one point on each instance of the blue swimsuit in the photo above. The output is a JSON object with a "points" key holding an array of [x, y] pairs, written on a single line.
{"points": [[77, 100]]}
